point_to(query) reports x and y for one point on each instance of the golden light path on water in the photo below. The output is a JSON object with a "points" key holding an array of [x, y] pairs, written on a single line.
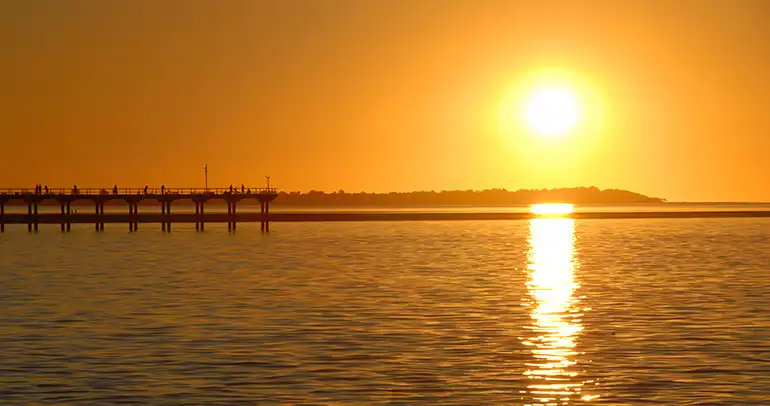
{"points": [[553, 307]]}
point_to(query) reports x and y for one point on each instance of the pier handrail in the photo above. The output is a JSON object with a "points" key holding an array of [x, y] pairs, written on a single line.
{"points": [[156, 191]]}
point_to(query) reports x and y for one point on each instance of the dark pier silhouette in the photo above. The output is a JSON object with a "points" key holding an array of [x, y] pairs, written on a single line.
{"points": [[133, 197]]}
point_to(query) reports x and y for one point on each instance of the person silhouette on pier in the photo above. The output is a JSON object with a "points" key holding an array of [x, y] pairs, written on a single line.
{"points": [[145, 189], [163, 189], [231, 189], [115, 190], [75, 190], [243, 188], [46, 189]]}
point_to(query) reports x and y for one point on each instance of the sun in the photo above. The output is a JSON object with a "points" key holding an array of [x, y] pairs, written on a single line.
{"points": [[552, 111]]}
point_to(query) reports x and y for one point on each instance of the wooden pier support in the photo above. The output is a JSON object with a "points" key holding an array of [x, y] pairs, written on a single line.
{"points": [[132, 215], [69, 216], [63, 221], [202, 213], [232, 217], [199, 204], [99, 224], [165, 211], [262, 215], [135, 214], [267, 217], [197, 216], [37, 219], [265, 212], [229, 216], [2, 214]]}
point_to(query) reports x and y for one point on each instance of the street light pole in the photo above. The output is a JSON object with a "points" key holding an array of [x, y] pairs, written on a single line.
{"points": [[268, 183], [206, 172]]}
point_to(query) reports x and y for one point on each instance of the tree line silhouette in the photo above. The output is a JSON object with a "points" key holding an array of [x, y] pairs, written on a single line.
{"points": [[489, 197]]}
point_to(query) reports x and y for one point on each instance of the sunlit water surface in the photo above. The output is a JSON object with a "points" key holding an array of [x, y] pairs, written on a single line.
{"points": [[546, 312]]}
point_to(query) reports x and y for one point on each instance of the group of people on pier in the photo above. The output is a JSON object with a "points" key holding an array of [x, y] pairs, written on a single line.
{"points": [[243, 189], [43, 189]]}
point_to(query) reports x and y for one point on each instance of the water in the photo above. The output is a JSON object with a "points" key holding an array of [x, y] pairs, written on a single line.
{"points": [[551, 311]]}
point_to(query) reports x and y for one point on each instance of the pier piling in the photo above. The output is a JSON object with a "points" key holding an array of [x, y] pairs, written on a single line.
{"points": [[229, 216], [37, 219], [203, 203], [267, 217], [197, 216], [233, 216], [96, 211], [131, 216], [136, 216]]}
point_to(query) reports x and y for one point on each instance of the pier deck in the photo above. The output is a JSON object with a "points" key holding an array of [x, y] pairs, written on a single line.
{"points": [[133, 197]]}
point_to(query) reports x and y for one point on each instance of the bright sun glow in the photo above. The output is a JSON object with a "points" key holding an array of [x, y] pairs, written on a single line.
{"points": [[551, 209], [552, 111]]}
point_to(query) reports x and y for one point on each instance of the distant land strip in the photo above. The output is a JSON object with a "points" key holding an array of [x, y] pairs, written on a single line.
{"points": [[49, 218], [478, 198]]}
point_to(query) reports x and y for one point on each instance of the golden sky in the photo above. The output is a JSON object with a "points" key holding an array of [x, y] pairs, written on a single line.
{"points": [[385, 95]]}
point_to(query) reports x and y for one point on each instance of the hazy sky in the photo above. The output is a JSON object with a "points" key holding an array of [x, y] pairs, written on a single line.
{"points": [[385, 95]]}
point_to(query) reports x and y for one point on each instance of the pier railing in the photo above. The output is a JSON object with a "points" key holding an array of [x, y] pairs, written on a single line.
{"points": [[138, 191]]}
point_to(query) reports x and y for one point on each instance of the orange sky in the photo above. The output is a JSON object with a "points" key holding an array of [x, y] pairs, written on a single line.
{"points": [[384, 95]]}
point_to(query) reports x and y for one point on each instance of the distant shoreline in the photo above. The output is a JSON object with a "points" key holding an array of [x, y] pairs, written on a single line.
{"points": [[322, 207], [55, 218]]}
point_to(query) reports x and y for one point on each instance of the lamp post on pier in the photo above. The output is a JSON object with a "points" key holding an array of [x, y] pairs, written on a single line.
{"points": [[268, 183], [206, 174]]}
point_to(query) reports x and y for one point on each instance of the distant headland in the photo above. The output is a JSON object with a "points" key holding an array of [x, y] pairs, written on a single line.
{"points": [[489, 197]]}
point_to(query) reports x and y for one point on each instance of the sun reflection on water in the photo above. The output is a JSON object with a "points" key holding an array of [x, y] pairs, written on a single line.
{"points": [[552, 209], [553, 373]]}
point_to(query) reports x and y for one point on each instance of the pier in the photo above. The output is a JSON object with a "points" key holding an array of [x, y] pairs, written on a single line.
{"points": [[133, 197]]}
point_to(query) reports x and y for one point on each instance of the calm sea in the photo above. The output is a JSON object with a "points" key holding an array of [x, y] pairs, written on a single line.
{"points": [[542, 312]]}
